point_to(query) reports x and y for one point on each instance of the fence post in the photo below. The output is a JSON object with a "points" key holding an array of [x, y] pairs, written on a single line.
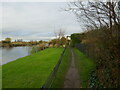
{"points": [[52, 76]]}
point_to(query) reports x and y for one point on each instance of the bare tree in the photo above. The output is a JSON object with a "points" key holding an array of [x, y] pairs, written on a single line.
{"points": [[96, 14], [60, 33], [60, 37]]}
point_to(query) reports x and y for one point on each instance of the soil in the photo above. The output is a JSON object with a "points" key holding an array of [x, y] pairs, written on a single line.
{"points": [[72, 77]]}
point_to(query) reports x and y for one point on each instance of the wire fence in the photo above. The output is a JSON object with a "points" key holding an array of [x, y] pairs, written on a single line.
{"points": [[52, 76], [81, 47], [87, 51]]}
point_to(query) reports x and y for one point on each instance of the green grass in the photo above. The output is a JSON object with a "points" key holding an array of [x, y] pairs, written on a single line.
{"points": [[59, 80], [30, 71], [0, 77], [84, 65]]}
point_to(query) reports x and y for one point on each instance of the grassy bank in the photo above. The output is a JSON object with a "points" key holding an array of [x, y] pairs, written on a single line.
{"points": [[30, 71], [59, 80], [0, 77], [84, 66]]}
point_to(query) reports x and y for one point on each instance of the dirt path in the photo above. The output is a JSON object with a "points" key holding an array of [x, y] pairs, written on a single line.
{"points": [[72, 76]]}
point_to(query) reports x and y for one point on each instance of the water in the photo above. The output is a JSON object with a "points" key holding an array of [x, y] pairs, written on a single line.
{"points": [[10, 54]]}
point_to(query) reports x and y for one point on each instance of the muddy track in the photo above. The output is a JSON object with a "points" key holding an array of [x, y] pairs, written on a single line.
{"points": [[72, 76]]}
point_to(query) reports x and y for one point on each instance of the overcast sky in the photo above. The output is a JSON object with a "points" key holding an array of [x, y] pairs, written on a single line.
{"points": [[36, 20]]}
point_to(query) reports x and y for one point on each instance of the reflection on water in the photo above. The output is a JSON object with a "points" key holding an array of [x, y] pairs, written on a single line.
{"points": [[13, 53]]}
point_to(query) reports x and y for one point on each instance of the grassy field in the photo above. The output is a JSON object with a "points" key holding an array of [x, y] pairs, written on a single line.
{"points": [[59, 80], [0, 77], [30, 71], [84, 66]]}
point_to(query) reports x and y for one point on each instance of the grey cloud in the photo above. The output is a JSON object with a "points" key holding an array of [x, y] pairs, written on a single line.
{"points": [[36, 20]]}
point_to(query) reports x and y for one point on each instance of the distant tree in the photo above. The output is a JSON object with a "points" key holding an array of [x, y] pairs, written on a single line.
{"points": [[8, 40], [54, 41], [60, 38], [63, 41], [40, 41], [60, 33]]}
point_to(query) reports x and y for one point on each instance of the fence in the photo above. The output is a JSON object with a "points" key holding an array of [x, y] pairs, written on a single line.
{"points": [[90, 52], [81, 47], [52, 76]]}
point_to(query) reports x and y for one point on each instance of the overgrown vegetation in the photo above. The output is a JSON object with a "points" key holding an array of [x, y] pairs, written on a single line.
{"points": [[102, 45], [37, 48], [30, 71]]}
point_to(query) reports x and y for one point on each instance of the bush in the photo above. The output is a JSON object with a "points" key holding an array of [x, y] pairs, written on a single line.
{"points": [[102, 45], [35, 49]]}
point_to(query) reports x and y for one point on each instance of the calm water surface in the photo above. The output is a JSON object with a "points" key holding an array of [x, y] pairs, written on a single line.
{"points": [[10, 54]]}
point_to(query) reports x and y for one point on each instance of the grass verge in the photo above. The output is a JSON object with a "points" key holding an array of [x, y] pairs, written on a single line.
{"points": [[30, 71], [59, 80], [84, 65], [0, 77]]}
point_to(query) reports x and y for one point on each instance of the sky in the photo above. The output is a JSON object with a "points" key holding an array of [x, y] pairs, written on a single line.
{"points": [[36, 20]]}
